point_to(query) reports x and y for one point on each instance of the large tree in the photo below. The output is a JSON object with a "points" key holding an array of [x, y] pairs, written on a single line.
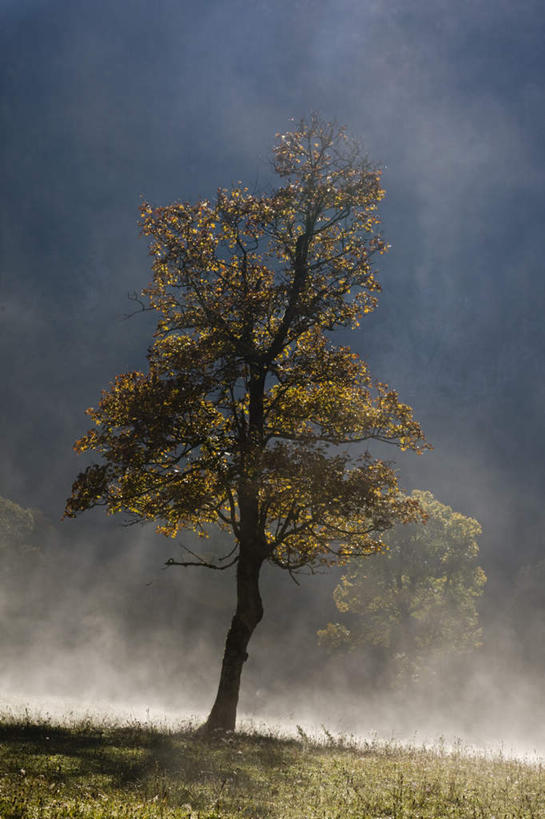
{"points": [[244, 416]]}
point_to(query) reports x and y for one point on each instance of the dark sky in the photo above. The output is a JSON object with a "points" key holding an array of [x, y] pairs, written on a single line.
{"points": [[107, 102]]}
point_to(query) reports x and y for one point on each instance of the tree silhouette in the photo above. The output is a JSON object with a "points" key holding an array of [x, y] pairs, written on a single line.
{"points": [[246, 413]]}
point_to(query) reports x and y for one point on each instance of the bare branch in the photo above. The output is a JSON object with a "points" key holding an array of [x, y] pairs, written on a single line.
{"points": [[172, 562], [144, 308]]}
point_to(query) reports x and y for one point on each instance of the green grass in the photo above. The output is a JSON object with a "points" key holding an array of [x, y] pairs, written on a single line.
{"points": [[100, 770]]}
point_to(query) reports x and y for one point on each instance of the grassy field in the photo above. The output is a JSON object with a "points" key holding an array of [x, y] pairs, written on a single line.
{"points": [[99, 770]]}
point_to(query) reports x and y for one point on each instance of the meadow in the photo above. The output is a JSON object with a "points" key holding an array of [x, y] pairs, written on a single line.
{"points": [[99, 770]]}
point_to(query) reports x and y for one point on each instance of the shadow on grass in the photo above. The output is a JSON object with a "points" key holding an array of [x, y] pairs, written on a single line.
{"points": [[176, 766]]}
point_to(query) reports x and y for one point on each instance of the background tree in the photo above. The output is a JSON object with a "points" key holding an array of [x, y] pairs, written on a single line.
{"points": [[525, 616], [418, 598], [244, 416], [17, 526], [20, 560]]}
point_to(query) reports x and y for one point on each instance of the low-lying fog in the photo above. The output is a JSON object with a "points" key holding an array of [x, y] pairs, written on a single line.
{"points": [[88, 632]]}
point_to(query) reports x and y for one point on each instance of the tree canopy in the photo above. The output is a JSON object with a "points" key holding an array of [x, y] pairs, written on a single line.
{"points": [[418, 598], [16, 523], [249, 416], [17, 526]]}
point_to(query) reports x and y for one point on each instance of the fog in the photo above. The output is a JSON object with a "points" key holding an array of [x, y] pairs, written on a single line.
{"points": [[105, 103]]}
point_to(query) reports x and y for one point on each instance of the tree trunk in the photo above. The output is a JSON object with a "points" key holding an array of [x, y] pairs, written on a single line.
{"points": [[248, 613]]}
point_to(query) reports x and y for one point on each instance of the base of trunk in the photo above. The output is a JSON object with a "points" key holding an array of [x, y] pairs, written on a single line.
{"points": [[247, 616]]}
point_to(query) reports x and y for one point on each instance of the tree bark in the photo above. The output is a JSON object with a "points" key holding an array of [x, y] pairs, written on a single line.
{"points": [[248, 614], [252, 553]]}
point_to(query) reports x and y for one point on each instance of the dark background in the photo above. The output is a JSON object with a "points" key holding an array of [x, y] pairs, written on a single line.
{"points": [[107, 102]]}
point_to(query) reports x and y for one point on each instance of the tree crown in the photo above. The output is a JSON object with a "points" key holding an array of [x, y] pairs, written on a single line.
{"points": [[248, 407]]}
